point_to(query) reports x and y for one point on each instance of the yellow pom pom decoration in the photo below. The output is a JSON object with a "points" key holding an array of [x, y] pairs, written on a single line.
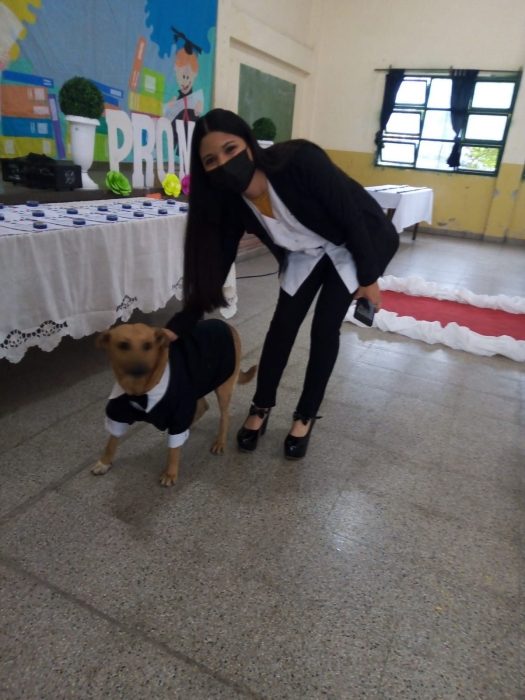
{"points": [[171, 185]]}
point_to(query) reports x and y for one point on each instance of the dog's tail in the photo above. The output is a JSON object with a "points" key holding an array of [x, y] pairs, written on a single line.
{"points": [[245, 377]]}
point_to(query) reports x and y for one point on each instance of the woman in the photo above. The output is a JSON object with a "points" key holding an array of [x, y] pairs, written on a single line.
{"points": [[327, 233]]}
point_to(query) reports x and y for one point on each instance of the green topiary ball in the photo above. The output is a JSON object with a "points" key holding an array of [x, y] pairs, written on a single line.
{"points": [[264, 129], [81, 97]]}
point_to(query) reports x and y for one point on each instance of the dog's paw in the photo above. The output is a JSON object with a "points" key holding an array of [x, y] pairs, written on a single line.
{"points": [[218, 447], [167, 479], [100, 468]]}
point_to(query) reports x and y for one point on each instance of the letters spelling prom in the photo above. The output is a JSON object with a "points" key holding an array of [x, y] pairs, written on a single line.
{"points": [[145, 135]]}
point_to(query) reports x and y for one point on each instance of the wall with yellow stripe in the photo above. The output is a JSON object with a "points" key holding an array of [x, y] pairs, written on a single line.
{"points": [[493, 207]]}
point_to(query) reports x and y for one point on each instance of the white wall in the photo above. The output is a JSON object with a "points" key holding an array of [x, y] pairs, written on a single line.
{"points": [[361, 35], [291, 18], [330, 48], [274, 36]]}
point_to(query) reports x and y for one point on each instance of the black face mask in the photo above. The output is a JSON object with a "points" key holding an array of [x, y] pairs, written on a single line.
{"points": [[235, 175]]}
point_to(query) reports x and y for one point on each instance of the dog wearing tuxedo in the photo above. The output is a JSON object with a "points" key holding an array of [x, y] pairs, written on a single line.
{"points": [[163, 380]]}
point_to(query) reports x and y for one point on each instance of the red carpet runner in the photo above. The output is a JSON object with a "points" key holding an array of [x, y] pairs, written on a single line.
{"points": [[490, 322]]}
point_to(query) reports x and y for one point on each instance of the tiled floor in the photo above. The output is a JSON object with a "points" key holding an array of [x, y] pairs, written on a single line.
{"points": [[388, 564]]}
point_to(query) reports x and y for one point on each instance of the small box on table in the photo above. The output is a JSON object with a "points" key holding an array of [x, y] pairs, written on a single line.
{"points": [[41, 172]]}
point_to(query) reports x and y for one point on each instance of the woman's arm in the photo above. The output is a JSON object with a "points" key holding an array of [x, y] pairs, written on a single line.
{"points": [[183, 321], [372, 240]]}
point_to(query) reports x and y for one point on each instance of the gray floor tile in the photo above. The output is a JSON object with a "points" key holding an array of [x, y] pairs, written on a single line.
{"points": [[454, 643], [24, 421], [387, 564], [52, 646], [51, 455]]}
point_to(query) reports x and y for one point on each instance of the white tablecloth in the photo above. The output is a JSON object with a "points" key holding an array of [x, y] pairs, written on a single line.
{"points": [[411, 204], [77, 281]]}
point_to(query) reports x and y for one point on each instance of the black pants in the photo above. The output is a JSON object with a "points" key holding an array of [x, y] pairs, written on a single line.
{"points": [[330, 310]]}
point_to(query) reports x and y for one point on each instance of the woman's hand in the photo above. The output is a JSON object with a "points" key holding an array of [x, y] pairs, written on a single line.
{"points": [[370, 292], [170, 335]]}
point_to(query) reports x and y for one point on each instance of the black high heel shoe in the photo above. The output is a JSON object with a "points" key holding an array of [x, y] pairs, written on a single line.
{"points": [[246, 438], [296, 447]]}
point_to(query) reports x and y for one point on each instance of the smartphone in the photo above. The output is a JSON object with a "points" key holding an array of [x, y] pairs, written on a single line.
{"points": [[364, 311]]}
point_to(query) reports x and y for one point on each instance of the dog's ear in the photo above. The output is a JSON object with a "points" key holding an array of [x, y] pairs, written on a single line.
{"points": [[164, 337], [102, 340]]}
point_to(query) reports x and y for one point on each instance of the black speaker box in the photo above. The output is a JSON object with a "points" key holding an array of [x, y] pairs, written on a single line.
{"points": [[41, 172]]}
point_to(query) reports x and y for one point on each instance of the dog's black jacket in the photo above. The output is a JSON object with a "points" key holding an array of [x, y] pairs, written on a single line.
{"points": [[198, 364]]}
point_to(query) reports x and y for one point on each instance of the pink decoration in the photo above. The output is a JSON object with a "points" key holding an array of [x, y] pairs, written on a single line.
{"points": [[185, 183]]}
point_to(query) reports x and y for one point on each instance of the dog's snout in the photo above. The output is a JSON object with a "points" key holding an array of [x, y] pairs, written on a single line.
{"points": [[138, 370]]}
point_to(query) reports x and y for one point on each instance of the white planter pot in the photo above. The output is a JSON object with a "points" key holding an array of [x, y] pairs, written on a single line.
{"points": [[264, 144], [82, 138]]}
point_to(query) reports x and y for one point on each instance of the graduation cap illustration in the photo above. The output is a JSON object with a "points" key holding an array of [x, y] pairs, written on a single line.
{"points": [[189, 46]]}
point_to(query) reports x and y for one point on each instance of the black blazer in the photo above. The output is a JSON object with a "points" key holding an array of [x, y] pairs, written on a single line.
{"points": [[330, 203], [324, 199]]}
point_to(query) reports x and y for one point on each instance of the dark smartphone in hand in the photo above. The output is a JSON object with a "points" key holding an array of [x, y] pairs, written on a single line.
{"points": [[364, 311]]}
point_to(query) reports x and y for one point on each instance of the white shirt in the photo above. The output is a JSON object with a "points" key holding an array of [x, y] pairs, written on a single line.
{"points": [[154, 395], [306, 247]]}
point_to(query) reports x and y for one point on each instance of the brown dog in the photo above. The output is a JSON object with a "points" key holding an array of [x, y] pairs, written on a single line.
{"points": [[163, 381]]}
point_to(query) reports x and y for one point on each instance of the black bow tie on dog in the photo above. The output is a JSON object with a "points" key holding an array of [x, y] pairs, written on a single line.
{"points": [[140, 401]]}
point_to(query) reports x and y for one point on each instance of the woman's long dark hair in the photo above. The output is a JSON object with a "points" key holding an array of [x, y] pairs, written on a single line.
{"points": [[210, 211]]}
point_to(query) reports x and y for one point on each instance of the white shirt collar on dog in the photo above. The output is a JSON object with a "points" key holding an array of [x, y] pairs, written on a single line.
{"points": [[154, 395]]}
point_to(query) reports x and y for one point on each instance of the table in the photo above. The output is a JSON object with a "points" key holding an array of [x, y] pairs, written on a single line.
{"points": [[75, 279], [405, 205]]}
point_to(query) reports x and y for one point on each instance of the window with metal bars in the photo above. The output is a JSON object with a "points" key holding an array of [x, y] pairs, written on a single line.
{"points": [[419, 133]]}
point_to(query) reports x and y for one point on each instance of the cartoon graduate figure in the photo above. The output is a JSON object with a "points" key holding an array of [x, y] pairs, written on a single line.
{"points": [[189, 104]]}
